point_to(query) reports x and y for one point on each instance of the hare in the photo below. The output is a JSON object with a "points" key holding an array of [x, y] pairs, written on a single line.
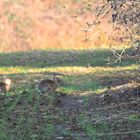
{"points": [[48, 85], [5, 85]]}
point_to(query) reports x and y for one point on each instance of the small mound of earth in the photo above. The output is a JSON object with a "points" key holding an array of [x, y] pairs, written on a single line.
{"points": [[123, 93], [120, 94]]}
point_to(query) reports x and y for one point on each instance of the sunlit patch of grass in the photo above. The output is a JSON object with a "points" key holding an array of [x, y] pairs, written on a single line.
{"points": [[67, 90], [69, 70], [82, 84], [80, 87], [82, 46], [76, 79], [100, 90]]}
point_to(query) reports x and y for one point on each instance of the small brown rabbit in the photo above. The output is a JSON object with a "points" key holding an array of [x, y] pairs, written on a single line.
{"points": [[48, 85], [5, 85]]}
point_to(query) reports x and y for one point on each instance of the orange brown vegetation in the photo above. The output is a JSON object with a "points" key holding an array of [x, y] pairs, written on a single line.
{"points": [[35, 24]]}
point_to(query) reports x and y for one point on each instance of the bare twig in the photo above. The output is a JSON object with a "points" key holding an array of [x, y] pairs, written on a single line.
{"points": [[118, 55]]}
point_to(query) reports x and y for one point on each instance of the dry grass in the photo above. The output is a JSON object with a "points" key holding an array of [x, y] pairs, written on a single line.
{"points": [[47, 25]]}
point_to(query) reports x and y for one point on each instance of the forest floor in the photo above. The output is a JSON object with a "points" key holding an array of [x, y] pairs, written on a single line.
{"points": [[97, 99]]}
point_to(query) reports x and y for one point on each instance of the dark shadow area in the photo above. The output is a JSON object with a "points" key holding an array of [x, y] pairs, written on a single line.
{"points": [[40, 58]]}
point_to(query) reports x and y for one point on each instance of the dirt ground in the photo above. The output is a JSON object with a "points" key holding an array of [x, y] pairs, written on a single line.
{"points": [[114, 114]]}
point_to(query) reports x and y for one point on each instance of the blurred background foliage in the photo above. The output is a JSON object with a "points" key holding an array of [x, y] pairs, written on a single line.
{"points": [[47, 24]]}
